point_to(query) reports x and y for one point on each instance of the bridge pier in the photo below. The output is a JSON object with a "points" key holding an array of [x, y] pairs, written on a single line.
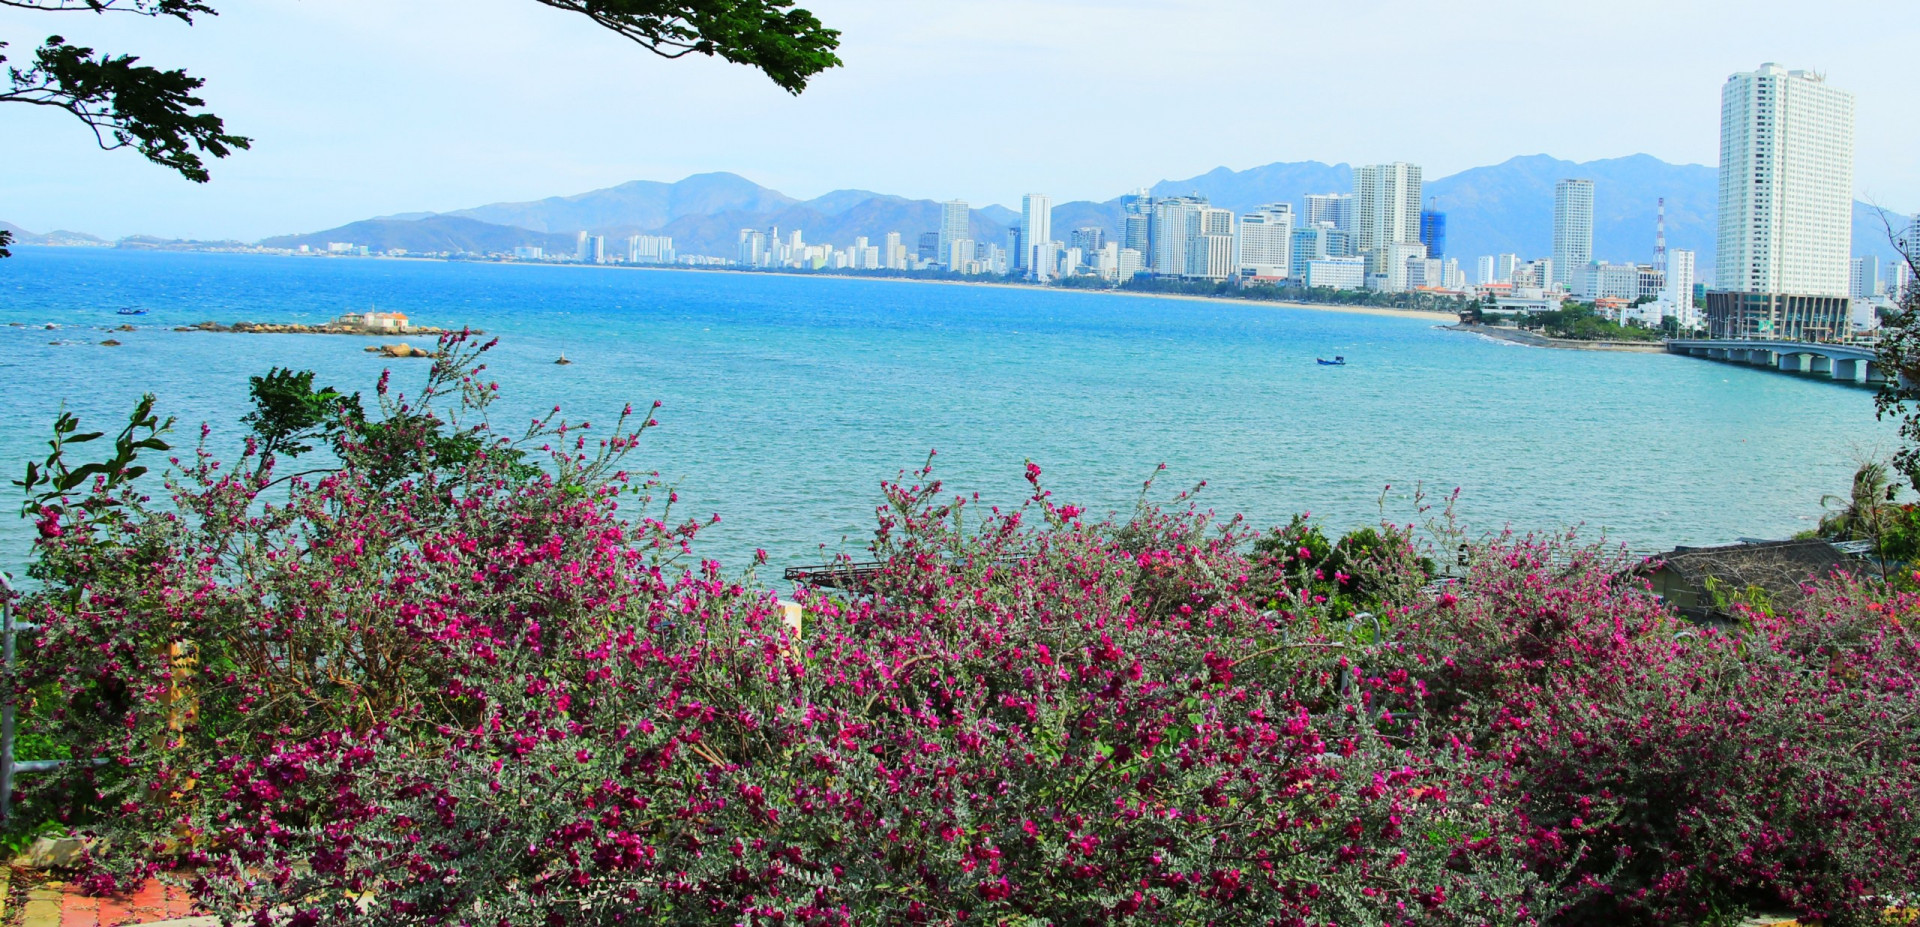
{"points": [[1847, 369], [1876, 375], [1791, 363], [1760, 357], [1822, 364], [1718, 353]]}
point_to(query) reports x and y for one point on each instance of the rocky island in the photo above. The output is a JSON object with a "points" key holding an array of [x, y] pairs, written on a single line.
{"points": [[353, 323]]}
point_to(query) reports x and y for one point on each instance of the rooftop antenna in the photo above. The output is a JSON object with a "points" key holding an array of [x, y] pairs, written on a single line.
{"points": [[1660, 238]]}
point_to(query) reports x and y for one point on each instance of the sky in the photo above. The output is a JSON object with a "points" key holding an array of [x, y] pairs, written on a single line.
{"points": [[361, 108]]}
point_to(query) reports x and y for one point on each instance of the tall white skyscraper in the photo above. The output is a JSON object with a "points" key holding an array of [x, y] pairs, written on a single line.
{"points": [[894, 255], [1786, 206], [1036, 233], [955, 222], [1572, 228], [1266, 241], [1386, 211], [1484, 272]]}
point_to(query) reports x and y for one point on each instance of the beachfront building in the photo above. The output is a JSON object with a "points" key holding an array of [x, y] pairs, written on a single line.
{"points": [[1334, 209], [650, 249], [1786, 207], [1338, 273], [955, 221], [1386, 212], [1266, 242], [1036, 235]]}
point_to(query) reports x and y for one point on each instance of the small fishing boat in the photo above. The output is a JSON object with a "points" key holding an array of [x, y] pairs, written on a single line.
{"points": [[563, 359], [131, 311], [1339, 360]]}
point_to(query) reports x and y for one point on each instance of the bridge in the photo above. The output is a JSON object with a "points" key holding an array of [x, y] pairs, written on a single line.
{"points": [[1846, 363]]}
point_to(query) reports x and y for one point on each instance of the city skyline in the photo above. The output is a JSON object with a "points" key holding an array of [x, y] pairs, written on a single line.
{"points": [[355, 120]]}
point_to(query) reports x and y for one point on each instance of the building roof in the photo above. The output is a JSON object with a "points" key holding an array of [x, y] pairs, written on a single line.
{"points": [[1779, 568], [387, 315]]}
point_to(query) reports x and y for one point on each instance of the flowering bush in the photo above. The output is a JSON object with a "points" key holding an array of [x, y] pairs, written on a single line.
{"points": [[1711, 772], [457, 679]]}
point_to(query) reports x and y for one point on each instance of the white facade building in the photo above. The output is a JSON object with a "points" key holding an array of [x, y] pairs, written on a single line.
{"points": [[1484, 274], [1386, 212], [1336, 209], [1863, 278], [1036, 234], [1266, 241], [1786, 184], [1399, 254], [1572, 227], [1340, 273]]}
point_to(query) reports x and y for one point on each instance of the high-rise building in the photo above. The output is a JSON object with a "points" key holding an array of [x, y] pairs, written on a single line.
{"points": [[1036, 231], [753, 248], [1399, 255], [1136, 216], [1863, 278], [894, 254], [580, 246], [1504, 266], [650, 249], [1168, 232], [1212, 254], [1266, 241], [1088, 239], [1312, 243], [1484, 273], [928, 248], [1433, 233], [1572, 228], [1386, 212], [1334, 208], [955, 221], [1786, 207]]}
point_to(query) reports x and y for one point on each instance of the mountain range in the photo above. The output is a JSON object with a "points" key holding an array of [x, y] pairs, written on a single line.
{"points": [[1507, 207]]}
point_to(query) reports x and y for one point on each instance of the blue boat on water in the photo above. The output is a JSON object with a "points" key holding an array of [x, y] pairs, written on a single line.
{"points": [[131, 311], [1339, 360]]}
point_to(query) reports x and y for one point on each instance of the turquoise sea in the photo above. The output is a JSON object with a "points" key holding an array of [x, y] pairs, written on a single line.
{"points": [[787, 399]]}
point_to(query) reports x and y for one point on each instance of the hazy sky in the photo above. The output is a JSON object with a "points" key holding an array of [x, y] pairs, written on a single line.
{"points": [[367, 107]]}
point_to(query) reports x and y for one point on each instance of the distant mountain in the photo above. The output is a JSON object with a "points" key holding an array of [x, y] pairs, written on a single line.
{"points": [[1506, 207], [435, 233], [56, 237], [642, 204]]}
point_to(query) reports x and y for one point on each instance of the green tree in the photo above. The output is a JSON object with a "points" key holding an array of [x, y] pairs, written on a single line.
{"points": [[159, 114], [1899, 355]]}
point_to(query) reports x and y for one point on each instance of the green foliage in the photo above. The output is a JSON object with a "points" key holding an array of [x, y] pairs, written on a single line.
{"points": [[127, 105], [1579, 322], [6, 238], [288, 413], [1899, 351], [159, 114], [46, 483], [786, 44]]}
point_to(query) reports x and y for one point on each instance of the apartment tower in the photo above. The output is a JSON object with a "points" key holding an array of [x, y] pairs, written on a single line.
{"points": [[1572, 229], [1786, 207]]}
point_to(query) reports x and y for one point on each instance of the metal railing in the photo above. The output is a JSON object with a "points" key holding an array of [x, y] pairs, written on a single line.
{"points": [[10, 629]]}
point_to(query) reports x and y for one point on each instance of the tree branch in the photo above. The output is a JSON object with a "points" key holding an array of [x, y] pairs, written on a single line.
{"points": [[788, 45], [126, 104], [182, 10]]}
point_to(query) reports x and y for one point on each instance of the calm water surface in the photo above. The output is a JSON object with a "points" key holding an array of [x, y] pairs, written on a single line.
{"points": [[788, 399]]}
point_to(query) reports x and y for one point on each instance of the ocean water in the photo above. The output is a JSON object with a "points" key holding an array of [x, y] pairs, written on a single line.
{"points": [[788, 399]]}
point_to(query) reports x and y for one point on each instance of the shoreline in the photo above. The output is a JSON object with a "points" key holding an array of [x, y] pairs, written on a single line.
{"points": [[1386, 311], [1516, 336]]}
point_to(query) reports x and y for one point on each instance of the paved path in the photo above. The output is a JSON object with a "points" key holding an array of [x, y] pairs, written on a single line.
{"points": [[56, 904]]}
